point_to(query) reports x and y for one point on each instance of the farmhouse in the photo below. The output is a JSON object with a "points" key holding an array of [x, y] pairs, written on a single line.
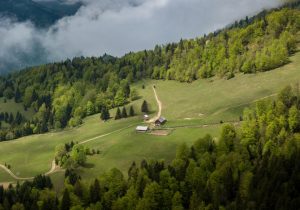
{"points": [[160, 121], [142, 129]]}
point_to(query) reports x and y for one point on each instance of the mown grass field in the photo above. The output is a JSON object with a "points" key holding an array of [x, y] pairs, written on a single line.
{"points": [[201, 102]]}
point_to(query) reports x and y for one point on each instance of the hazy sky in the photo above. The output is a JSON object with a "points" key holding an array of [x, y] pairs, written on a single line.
{"points": [[120, 26]]}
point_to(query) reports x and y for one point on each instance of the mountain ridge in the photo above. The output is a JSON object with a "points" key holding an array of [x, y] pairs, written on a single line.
{"points": [[41, 14]]}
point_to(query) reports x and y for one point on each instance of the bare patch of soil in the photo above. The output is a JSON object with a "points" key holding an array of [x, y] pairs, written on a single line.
{"points": [[161, 132]]}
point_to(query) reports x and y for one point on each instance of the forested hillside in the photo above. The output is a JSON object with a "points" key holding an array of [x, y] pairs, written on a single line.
{"points": [[64, 93], [253, 167], [41, 13]]}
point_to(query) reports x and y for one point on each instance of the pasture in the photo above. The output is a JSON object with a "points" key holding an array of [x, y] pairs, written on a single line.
{"points": [[198, 103]]}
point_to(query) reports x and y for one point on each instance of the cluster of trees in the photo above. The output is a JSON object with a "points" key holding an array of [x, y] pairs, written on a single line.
{"points": [[71, 155], [13, 127], [124, 114], [253, 167], [9, 118], [29, 195], [64, 93], [64, 105]]}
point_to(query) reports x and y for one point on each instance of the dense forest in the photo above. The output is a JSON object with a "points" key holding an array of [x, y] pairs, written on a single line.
{"points": [[40, 13], [254, 166], [63, 93]]}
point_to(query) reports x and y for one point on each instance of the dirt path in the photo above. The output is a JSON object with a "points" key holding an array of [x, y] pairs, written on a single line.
{"points": [[13, 175], [54, 167], [203, 125], [101, 136], [244, 104], [152, 120]]}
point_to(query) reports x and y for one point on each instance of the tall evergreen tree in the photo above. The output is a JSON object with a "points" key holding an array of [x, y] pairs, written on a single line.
{"points": [[17, 95], [127, 90], [78, 189], [124, 112], [131, 111], [18, 118], [66, 201], [104, 114], [95, 192], [144, 107], [11, 118], [118, 114], [177, 202]]}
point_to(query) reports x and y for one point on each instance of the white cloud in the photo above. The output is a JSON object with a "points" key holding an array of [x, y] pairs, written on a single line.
{"points": [[118, 26]]}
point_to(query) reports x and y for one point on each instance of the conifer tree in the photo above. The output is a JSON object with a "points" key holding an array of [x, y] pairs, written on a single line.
{"points": [[177, 202], [145, 107], [104, 114], [95, 192], [78, 189], [11, 118], [17, 95], [124, 112], [118, 114], [131, 111], [65, 202]]}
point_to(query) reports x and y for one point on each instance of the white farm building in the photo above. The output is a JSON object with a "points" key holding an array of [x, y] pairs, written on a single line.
{"points": [[142, 128]]}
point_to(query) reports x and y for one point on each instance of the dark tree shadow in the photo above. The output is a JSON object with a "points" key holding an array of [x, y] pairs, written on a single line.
{"points": [[89, 165]]}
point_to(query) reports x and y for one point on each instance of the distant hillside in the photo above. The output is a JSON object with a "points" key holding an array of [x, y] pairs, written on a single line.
{"points": [[62, 93], [42, 14]]}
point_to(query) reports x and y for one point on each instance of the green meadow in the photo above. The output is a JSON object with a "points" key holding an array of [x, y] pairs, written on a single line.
{"points": [[184, 105], [11, 106]]}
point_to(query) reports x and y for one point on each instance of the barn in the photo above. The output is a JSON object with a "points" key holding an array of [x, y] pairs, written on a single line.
{"points": [[160, 121], [142, 129]]}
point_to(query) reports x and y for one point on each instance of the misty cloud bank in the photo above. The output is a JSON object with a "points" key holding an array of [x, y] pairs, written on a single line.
{"points": [[117, 27]]}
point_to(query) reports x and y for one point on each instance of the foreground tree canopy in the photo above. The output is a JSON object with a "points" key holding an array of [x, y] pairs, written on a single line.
{"points": [[64, 93], [255, 166]]}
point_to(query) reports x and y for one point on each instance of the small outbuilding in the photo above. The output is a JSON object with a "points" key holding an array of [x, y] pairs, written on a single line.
{"points": [[160, 121], [146, 117], [142, 129]]}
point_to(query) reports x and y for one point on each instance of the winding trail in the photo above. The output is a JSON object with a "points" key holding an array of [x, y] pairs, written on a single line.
{"points": [[244, 104], [153, 119], [54, 168], [107, 134]]}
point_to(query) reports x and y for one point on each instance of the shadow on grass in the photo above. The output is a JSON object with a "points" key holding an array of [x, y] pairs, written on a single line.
{"points": [[151, 112], [89, 165]]}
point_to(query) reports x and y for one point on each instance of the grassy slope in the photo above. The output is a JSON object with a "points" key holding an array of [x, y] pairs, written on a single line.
{"points": [[216, 100], [120, 150], [11, 106], [209, 101], [5, 177]]}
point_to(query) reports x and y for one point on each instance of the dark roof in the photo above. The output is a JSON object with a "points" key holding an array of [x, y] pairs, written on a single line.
{"points": [[161, 120]]}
